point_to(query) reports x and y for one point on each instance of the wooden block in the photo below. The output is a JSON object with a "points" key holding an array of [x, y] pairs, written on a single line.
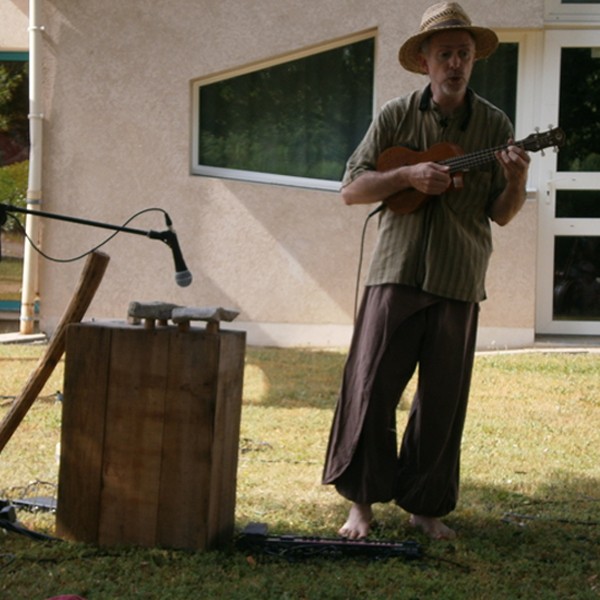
{"points": [[135, 408], [188, 440], [151, 310], [161, 412], [82, 433], [227, 417], [213, 314]]}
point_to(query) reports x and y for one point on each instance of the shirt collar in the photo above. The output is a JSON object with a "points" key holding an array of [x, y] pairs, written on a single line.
{"points": [[426, 103]]}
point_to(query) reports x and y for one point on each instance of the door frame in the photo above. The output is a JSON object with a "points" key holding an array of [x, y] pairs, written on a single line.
{"points": [[552, 181]]}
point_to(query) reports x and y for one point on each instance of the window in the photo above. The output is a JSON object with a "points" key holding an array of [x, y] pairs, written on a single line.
{"points": [[294, 122], [14, 95], [572, 11], [578, 109], [14, 165], [495, 78]]}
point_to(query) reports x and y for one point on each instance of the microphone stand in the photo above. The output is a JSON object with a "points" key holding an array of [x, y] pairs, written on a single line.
{"points": [[165, 236]]}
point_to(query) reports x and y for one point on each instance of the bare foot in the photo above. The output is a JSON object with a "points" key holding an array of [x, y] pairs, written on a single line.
{"points": [[358, 524], [432, 527]]}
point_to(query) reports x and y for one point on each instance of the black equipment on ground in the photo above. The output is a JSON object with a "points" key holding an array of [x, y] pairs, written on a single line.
{"points": [[256, 538]]}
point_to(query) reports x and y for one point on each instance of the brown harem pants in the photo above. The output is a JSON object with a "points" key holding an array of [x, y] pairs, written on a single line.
{"points": [[398, 328]]}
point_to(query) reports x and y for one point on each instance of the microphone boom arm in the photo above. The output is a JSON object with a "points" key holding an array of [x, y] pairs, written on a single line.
{"points": [[7, 208], [182, 275]]}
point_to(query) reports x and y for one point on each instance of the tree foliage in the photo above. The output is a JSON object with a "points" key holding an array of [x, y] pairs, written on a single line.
{"points": [[300, 118], [579, 113], [14, 124]]}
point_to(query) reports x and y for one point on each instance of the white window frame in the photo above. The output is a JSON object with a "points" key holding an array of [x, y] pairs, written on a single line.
{"points": [[253, 176], [528, 86], [580, 13]]}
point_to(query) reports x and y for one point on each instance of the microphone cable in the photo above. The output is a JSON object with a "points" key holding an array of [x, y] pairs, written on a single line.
{"points": [[361, 254], [97, 247]]}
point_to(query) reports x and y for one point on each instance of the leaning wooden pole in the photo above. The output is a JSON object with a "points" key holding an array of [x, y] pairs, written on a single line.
{"points": [[89, 282]]}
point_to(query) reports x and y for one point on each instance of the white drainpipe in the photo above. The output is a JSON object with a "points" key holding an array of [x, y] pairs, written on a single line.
{"points": [[29, 291]]}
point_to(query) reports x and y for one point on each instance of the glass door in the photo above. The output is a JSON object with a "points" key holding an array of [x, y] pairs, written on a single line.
{"points": [[568, 286]]}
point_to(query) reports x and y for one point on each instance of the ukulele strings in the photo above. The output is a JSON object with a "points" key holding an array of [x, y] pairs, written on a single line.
{"points": [[474, 159]]}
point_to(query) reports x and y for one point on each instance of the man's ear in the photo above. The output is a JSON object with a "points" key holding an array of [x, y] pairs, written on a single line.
{"points": [[423, 63]]}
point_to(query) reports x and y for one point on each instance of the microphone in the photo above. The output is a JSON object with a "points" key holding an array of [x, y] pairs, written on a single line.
{"points": [[183, 277]]}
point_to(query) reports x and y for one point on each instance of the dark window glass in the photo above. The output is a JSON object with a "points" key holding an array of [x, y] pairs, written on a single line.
{"points": [[14, 165], [495, 78], [578, 204], [302, 118], [14, 102], [577, 277], [579, 109]]}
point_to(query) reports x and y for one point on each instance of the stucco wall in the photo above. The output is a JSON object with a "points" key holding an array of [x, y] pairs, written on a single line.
{"points": [[117, 105], [15, 21]]}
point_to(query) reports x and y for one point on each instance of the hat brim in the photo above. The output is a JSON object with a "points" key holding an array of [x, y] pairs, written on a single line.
{"points": [[486, 42]]}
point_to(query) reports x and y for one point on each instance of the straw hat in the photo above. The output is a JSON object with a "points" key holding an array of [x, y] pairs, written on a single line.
{"points": [[445, 16]]}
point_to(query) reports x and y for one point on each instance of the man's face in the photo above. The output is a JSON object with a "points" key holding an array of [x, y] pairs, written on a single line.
{"points": [[448, 59]]}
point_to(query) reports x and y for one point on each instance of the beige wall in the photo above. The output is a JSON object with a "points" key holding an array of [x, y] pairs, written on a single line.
{"points": [[117, 107], [14, 23]]}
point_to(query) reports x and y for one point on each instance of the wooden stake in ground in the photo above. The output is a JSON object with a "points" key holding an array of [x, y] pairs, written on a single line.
{"points": [[89, 282]]}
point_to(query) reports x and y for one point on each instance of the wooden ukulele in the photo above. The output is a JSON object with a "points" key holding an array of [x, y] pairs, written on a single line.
{"points": [[444, 153]]}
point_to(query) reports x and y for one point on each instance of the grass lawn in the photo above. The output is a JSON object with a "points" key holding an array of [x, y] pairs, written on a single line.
{"points": [[11, 267], [11, 276], [528, 519]]}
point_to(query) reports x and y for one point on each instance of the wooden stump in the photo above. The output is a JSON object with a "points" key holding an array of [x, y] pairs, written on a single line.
{"points": [[150, 436]]}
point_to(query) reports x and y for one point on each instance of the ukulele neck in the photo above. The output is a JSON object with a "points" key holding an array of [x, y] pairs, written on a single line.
{"points": [[466, 162]]}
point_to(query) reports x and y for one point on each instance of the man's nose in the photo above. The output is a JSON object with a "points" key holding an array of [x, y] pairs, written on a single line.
{"points": [[455, 60]]}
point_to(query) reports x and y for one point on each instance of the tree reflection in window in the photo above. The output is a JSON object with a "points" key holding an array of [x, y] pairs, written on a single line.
{"points": [[300, 118], [579, 113]]}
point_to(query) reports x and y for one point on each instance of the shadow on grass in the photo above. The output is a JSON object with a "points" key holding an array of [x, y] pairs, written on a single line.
{"points": [[509, 545], [292, 378], [565, 500]]}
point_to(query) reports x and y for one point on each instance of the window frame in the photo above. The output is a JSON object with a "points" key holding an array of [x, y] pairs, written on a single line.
{"points": [[528, 98], [196, 168], [581, 12], [529, 44]]}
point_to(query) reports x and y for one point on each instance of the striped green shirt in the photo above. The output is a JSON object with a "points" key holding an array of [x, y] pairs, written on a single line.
{"points": [[444, 247]]}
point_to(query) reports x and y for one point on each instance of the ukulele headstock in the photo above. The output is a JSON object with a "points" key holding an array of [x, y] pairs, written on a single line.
{"points": [[538, 141]]}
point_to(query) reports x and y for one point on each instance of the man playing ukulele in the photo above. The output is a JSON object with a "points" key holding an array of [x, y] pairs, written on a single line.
{"points": [[425, 282]]}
